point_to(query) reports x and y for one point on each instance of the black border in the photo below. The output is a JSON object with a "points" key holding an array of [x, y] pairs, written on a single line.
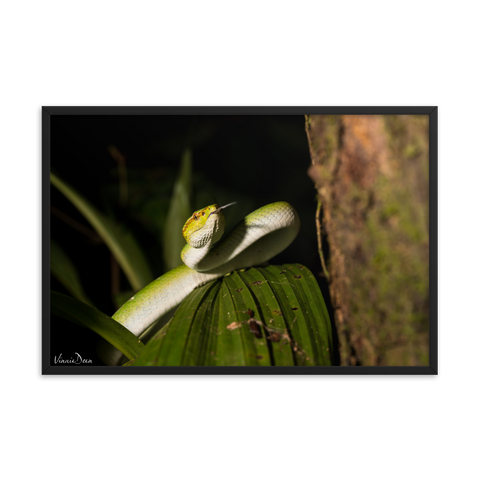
{"points": [[432, 369]]}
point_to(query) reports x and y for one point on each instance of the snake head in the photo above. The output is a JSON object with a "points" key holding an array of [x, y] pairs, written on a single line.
{"points": [[204, 226]]}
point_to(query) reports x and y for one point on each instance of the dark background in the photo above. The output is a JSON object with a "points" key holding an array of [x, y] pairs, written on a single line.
{"points": [[253, 160]]}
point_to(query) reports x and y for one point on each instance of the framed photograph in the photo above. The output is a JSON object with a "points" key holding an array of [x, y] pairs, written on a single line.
{"points": [[239, 240]]}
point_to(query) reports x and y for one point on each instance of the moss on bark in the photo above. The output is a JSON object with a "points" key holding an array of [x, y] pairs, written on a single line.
{"points": [[371, 175]]}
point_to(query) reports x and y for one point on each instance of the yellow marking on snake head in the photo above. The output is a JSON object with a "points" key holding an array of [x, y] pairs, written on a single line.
{"points": [[197, 221]]}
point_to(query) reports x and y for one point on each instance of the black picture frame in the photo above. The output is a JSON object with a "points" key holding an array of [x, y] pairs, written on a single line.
{"points": [[48, 111]]}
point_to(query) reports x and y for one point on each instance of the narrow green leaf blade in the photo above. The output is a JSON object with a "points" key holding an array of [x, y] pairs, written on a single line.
{"points": [[252, 328], [178, 212], [306, 315], [229, 342], [87, 316], [312, 296], [211, 350], [65, 272], [275, 326], [200, 346], [120, 241]]}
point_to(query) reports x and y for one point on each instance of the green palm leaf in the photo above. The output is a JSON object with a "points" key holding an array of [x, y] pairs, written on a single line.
{"points": [[258, 317]]}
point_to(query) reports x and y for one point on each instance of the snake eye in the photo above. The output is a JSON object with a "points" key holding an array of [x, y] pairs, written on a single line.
{"points": [[195, 216]]}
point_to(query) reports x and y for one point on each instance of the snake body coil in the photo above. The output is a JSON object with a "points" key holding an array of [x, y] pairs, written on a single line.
{"points": [[260, 236]]}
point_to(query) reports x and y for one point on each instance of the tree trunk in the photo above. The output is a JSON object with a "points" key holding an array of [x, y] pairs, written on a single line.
{"points": [[371, 175]]}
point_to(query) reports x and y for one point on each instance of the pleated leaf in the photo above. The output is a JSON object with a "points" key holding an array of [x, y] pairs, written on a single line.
{"points": [[273, 316]]}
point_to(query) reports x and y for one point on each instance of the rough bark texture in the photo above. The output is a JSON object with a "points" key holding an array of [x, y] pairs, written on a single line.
{"points": [[371, 175]]}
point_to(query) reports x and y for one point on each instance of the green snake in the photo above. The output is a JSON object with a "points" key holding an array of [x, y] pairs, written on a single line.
{"points": [[260, 236]]}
